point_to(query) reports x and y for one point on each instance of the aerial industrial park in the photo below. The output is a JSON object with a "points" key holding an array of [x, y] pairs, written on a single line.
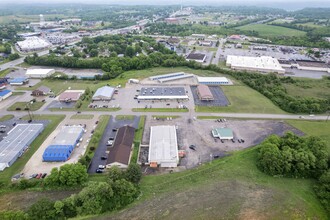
{"points": [[171, 103]]}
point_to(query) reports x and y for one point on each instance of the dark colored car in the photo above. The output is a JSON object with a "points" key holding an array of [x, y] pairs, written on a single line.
{"points": [[14, 124], [232, 140], [216, 156], [239, 141], [104, 157], [242, 140], [29, 121], [192, 147], [44, 175], [99, 171], [96, 122]]}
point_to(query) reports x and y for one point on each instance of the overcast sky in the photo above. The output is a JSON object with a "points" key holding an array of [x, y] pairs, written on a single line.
{"points": [[270, 3]]}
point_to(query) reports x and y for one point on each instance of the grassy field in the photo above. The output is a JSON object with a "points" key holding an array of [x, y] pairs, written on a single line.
{"points": [[6, 175], [6, 117], [317, 88], [265, 30], [82, 116], [243, 99], [27, 18], [231, 187], [124, 117], [18, 93], [22, 105], [160, 110]]}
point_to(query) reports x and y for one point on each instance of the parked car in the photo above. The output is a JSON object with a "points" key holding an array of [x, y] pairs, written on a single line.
{"points": [[216, 156], [101, 167], [242, 140], [192, 147], [39, 176], [104, 157], [232, 140], [111, 138], [110, 143], [99, 171], [44, 175], [96, 122]]}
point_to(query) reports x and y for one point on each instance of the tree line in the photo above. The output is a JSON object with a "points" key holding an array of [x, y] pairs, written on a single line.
{"points": [[298, 157], [117, 190]]}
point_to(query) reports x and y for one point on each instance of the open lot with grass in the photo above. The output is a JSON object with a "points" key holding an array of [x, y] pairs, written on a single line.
{"points": [[22, 105], [124, 117], [6, 175], [243, 99], [265, 30], [317, 88], [232, 188], [3, 73]]}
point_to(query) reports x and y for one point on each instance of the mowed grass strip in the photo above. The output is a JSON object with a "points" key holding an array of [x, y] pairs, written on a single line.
{"points": [[82, 116], [138, 139], [6, 117], [124, 117], [265, 30], [160, 110], [5, 176], [243, 100], [22, 105]]}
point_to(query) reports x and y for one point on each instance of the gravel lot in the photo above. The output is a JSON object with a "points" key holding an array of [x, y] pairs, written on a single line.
{"points": [[198, 133]]}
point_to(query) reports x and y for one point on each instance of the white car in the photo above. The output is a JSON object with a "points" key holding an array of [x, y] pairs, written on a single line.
{"points": [[110, 143], [101, 167]]}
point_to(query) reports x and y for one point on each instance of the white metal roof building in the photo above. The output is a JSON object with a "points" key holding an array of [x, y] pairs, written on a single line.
{"points": [[261, 64], [162, 93], [33, 44], [103, 93], [16, 142], [39, 73], [163, 147], [213, 80], [164, 76]]}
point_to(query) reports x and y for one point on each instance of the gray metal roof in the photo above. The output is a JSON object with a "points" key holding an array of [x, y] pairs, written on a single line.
{"points": [[105, 91], [68, 135], [163, 147], [18, 139], [162, 91]]}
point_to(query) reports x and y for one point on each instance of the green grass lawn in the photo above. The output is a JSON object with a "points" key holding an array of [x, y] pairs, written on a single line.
{"points": [[317, 88], [22, 105], [6, 175], [138, 139], [18, 93], [265, 30], [160, 110], [82, 116], [243, 100], [6, 117], [124, 117]]}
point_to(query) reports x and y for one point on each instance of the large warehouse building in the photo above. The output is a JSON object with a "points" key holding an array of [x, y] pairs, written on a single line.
{"points": [[162, 93], [5, 94], [63, 145], [198, 57], [261, 64], [204, 93], [103, 93], [39, 73], [31, 44], [170, 77], [120, 153], [213, 80], [16, 142], [163, 147]]}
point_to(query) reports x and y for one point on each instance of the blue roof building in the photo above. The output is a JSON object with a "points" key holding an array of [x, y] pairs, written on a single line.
{"points": [[5, 94], [18, 81]]}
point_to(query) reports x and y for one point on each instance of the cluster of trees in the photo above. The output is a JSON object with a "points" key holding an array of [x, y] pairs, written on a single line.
{"points": [[118, 189], [5, 48], [295, 156]]}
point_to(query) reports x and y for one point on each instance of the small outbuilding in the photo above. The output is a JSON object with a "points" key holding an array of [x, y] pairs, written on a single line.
{"points": [[103, 93], [223, 133]]}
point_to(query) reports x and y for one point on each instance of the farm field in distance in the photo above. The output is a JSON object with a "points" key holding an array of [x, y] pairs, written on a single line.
{"points": [[265, 30]]}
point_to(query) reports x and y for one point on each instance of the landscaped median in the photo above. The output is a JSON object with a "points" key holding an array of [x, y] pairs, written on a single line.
{"points": [[17, 167], [6, 117], [138, 139], [18, 106], [160, 110]]}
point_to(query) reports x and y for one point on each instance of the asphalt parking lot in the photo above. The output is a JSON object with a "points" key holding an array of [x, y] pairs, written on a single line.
{"points": [[58, 104], [198, 133], [220, 98], [102, 147]]}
